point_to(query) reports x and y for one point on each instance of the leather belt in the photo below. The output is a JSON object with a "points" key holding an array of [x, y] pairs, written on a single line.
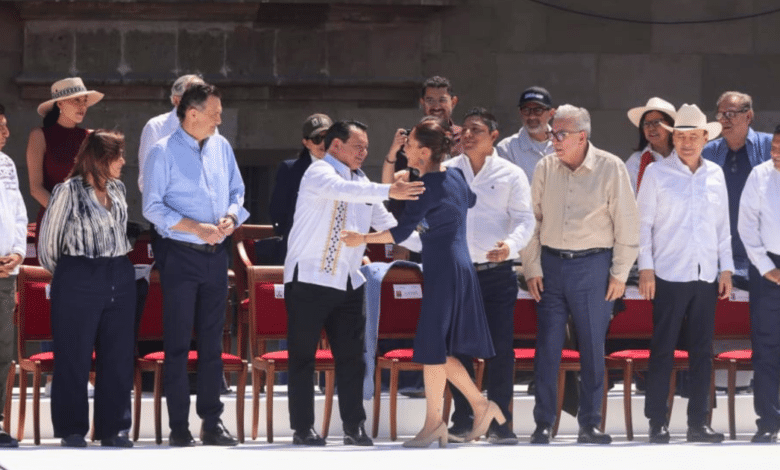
{"points": [[572, 254], [485, 266], [205, 248]]}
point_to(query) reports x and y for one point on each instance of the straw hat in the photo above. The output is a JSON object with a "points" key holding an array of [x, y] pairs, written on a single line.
{"points": [[690, 117], [69, 88], [653, 104]]}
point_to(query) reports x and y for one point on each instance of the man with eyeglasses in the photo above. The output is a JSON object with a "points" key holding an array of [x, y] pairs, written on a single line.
{"points": [[738, 150], [577, 263], [531, 143], [288, 179]]}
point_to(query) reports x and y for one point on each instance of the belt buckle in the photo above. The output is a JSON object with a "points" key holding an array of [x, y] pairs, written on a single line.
{"points": [[567, 255]]}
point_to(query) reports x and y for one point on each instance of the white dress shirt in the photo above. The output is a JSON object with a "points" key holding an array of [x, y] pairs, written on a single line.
{"points": [[759, 215], [633, 162], [684, 231], [13, 214], [333, 198], [523, 151], [154, 130], [503, 209]]}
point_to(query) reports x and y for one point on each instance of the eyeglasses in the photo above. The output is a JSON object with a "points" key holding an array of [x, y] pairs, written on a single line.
{"points": [[560, 136], [536, 111], [317, 139], [653, 123], [730, 114]]}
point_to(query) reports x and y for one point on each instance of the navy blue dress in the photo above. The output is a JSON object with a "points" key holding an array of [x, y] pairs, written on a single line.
{"points": [[452, 320]]}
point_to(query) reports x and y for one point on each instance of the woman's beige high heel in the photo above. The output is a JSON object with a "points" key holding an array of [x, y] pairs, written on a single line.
{"points": [[419, 442], [482, 424]]}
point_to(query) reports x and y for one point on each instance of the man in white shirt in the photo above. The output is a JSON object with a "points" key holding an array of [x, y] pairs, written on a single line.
{"points": [[498, 227], [13, 246], [164, 124], [323, 285], [531, 143], [759, 228], [684, 242]]}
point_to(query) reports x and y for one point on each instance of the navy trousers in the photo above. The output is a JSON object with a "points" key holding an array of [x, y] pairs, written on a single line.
{"points": [[92, 308], [195, 286], [765, 336], [499, 293], [575, 287], [310, 308], [676, 302]]}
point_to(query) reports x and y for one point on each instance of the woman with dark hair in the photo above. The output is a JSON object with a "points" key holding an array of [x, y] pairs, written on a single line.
{"points": [[84, 243], [452, 319], [51, 149], [655, 142]]}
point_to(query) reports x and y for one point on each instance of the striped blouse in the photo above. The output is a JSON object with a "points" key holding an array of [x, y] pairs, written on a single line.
{"points": [[76, 224]]}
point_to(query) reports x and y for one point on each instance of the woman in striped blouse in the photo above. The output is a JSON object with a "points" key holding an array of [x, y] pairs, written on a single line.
{"points": [[84, 244]]}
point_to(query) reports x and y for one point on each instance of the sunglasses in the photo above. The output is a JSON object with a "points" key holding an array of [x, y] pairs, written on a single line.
{"points": [[317, 139]]}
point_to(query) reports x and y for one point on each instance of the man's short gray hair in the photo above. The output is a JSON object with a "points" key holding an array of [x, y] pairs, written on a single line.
{"points": [[579, 117], [743, 98], [182, 83]]}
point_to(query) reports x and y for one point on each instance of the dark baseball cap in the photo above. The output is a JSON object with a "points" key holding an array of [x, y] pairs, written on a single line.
{"points": [[536, 94], [315, 124]]}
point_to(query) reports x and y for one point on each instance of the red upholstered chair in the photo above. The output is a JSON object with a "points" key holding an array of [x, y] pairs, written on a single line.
{"points": [[31, 258], [635, 322], [379, 252], [732, 321], [268, 321], [526, 328], [151, 329], [142, 249], [33, 323]]}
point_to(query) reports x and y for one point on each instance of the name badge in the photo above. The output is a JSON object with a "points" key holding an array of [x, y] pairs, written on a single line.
{"points": [[279, 291], [389, 250], [149, 252], [738, 295], [407, 291], [524, 294], [32, 252], [48, 291]]}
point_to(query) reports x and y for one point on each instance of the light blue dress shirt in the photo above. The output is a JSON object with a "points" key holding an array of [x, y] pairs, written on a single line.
{"points": [[181, 179]]}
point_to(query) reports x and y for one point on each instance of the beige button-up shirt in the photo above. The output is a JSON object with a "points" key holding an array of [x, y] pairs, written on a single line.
{"points": [[590, 207]]}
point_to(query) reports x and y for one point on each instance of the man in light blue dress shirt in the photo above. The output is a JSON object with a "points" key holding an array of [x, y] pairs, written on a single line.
{"points": [[194, 196]]}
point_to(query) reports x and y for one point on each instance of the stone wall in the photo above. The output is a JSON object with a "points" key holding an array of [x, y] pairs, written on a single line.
{"points": [[279, 61]]}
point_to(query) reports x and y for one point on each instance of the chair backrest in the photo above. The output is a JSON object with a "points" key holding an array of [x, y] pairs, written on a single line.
{"points": [[151, 328], [525, 316], [142, 249], [33, 313], [379, 252], [400, 302], [267, 311], [242, 260], [636, 321], [732, 318]]}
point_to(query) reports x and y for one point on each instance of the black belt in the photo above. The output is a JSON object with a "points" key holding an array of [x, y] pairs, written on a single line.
{"points": [[571, 254], [485, 266], [205, 248]]}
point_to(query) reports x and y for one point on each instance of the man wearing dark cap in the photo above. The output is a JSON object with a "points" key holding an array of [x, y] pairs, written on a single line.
{"points": [[530, 144], [288, 178]]}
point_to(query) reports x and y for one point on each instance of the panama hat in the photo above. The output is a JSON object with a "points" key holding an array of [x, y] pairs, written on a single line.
{"points": [[653, 104], [69, 88], [690, 117]]}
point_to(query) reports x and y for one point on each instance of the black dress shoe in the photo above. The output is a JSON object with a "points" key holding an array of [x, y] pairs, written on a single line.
{"points": [[659, 434], [458, 432], [7, 441], [218, 436], [120, 440], [541, 434], [181, 438], [501, 434], [704, 433], [307, 438], [592, 435], [764, 436], [356, 436], [74, 440]]}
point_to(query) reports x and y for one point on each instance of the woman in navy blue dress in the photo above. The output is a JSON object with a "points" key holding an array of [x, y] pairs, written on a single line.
{"points": [[452, 320]]}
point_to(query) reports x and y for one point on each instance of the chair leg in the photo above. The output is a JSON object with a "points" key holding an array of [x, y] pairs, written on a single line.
{"points": [[377, 399], [240, 396], [136, 403], [732, 391], [269, 401], [330, 387], [393, 399], [559, 404], [628, 379], [158, 372], [9, 386], [603, 424], [255, 400], [22, 403], [37, 406]]}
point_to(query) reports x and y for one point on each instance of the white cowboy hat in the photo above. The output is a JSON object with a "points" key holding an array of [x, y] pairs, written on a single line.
{"points": [[653, 104], [690, 117], [69, 88]]}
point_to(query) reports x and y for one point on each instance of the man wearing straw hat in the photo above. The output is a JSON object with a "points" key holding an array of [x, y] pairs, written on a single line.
{"points": [[684, 244]]}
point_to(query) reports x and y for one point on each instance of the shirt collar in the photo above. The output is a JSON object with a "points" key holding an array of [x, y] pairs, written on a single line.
{"points": [[590, 157], [341, 168], [524, 139], [675, 160], [190, 140]]}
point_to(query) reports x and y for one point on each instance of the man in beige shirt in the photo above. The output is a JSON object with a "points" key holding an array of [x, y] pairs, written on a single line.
{"points": [[577, 262]]}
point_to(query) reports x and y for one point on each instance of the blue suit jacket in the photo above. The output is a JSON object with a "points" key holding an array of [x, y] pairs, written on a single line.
{"points": [[285, 194], [758, 146]]}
